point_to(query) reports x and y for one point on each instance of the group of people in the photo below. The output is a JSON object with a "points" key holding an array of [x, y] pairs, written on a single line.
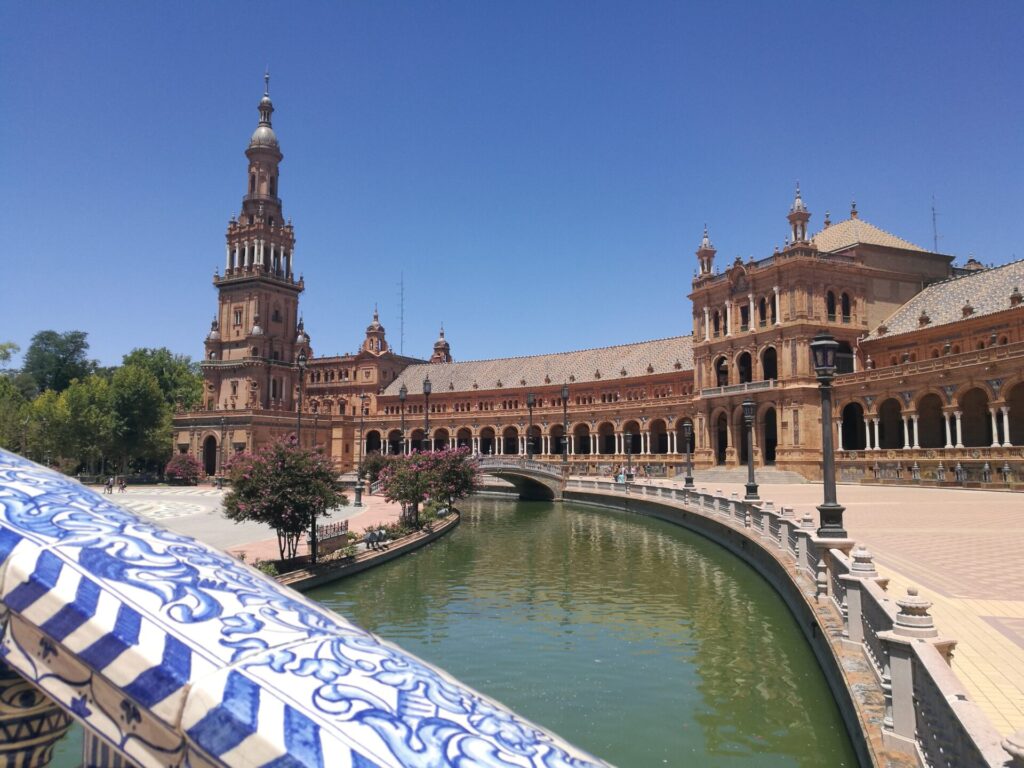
{"points": [[621, 475], [376, 539], [122, 486]]}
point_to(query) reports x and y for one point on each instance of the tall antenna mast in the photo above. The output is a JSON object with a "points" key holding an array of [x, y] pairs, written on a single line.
{"points": [[935, 228], [401, 313]]}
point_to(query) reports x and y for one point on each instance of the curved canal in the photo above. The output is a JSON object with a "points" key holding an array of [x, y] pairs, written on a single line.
{"points": [[630, 637]]}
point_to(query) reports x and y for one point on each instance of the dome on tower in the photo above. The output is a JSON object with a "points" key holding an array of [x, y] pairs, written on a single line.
{"points": [[263, 136], [302, 337], [375, 326], [440, 340], [798, 203], [214, 334]]}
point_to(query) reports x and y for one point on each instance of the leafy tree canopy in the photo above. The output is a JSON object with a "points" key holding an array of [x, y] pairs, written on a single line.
{"points": [[142, 418], [14, 416], [178, 377], [284, 486], [54, 359], [7, 350]]}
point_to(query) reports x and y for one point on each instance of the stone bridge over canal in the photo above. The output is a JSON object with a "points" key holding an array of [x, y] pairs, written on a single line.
{"points": [[533, 480]]}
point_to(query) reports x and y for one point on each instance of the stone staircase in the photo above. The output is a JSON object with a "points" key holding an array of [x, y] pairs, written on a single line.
{"points": [[766, 475]]}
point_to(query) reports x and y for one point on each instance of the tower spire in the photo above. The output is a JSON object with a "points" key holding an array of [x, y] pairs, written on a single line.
{"points": [[266, 82], [706, 254], [798, 218]]}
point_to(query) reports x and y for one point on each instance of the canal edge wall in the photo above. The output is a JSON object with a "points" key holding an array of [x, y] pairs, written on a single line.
{"points": [[309, 578], [859, 700]]}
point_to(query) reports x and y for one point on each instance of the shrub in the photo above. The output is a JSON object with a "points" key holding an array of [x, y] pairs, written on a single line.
{"points": [[183, 469]]}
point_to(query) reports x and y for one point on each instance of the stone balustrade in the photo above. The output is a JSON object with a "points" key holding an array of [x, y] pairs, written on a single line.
{"points": [[928, 717]]}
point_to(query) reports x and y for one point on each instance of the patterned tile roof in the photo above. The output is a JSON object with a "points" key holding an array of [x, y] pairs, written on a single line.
{"points": [[638, 359], [854, 231], [988, 291]]}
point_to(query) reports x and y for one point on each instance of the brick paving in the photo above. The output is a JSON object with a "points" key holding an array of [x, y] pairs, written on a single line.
{"points": [[965, 550]]}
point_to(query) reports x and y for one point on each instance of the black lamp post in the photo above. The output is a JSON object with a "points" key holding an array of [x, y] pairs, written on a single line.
{"points": [[565, 424], [687, 435], [427, 442], [830, 513], [748, 420], [316, 427], [362, 450], [531, 400], [629, 454], [402, 394], [301, 360]]}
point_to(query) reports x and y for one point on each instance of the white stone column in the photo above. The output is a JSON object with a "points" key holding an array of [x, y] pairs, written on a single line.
{"points": [[778, 309], [672, 442], [227, 257], [839, 434], [618, 443], [750, 312], [995, 428], [949, 438], [917, 443], [959, 429], [1006, 425], [867, 434], [875, 422], [906, 432], [572, 444], [728, 318], [707, 324]]}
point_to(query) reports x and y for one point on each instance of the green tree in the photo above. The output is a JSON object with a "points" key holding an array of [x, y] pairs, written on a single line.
{"points": [[454, 476], [89, 408], [183, 468], [14, 417], [54, 359], [7, 350], [142, 419], [444, 476], [284, 486], [47, 431], [178, 377]]}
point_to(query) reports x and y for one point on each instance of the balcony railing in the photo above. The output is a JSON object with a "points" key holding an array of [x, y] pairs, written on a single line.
{"points": [[730, 389]]}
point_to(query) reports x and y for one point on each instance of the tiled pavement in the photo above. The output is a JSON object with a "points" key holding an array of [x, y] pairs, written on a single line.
{"points": [[965, 550]]}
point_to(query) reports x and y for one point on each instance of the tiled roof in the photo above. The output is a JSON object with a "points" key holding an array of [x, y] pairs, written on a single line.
{"points": [[843, 234], [988, 291], [639, 359]]}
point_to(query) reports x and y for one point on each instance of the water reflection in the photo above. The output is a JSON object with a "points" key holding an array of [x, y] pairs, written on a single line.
{"points": [[637, 640]]}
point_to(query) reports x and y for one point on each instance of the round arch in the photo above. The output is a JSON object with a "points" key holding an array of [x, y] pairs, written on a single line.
{"points": [[890, 424], [659, 436], [210, 455], [681, 438], [852, 429], [488, 441], [633, 444], [581, 438], [1015, 401], [373, 441], [510, 440], [975, 420], [769, 363], [464, 437], [931, 421], [744, 367], [720, 370], [441, 439], [395, 441], [606, 438], [768, 425]]}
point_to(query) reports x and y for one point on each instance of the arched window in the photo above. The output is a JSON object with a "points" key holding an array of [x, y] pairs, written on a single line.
{"points": [[252, 185], [769, 364], [830, 305], [762, 311], [717, 323], [273, 186], [845, 307], [721, 372], [744, 367]]}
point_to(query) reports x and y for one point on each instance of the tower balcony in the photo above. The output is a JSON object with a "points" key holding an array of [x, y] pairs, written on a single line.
{"points": [[258, 272]]}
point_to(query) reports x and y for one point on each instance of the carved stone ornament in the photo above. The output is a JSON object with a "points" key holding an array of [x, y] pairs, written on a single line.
{"points": [[908, 398], [949, 389], [996, 385]]}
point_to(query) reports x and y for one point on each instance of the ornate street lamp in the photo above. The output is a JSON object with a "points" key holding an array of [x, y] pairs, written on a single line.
{"points": [[748, 420], [402, 394], [629, 454], [301, 360], [565, 424], [830, 513], [531, 400], [687, 435], [363, 397], [221, 467], [427, 442], [316, 427]]}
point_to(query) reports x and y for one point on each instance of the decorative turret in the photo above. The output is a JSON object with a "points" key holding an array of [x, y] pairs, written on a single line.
{"points": [[706, 254], [375, 342], [442, 350], [214, 334], [302, 338], [798, 218]]}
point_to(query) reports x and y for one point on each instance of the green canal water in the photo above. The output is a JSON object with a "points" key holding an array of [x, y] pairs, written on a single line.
{"points": [[632, 638]]}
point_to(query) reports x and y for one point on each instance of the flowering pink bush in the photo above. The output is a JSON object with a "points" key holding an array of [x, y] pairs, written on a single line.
{"points": [[445, 476], [183, 468], [284, 486]]}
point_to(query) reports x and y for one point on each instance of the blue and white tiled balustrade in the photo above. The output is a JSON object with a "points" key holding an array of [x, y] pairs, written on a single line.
{"points": [[176, 654]]}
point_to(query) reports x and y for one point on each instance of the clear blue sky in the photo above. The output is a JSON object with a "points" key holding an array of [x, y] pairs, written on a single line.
{"points": [[540, 172]]}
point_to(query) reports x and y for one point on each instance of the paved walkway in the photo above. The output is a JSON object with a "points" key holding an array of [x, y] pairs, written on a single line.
{"points": [[965, 550]]}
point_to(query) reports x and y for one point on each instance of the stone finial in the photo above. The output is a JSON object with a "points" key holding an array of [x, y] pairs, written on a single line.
{"points": [[967, 309], [786, 512], [1014, 744], [1015, 296], [807, 521], [913, 619], [863, 564], [923, 319]]}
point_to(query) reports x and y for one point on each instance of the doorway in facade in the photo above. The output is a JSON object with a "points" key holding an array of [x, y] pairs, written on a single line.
{"points": [[721, 438], [210, 455], [771, 436]]}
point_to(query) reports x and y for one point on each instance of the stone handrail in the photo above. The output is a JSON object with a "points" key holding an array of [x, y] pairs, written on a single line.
{"points": [[170, 652], [497, 462], [928, 714], [748, 386]]}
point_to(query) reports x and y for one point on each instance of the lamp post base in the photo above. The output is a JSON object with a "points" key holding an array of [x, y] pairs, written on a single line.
{"points": [[830, 517], [359, 494], [751, 492], [688, 483]]}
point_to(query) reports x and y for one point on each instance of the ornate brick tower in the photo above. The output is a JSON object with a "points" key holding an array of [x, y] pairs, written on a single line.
{"points": [[256, 335]]}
